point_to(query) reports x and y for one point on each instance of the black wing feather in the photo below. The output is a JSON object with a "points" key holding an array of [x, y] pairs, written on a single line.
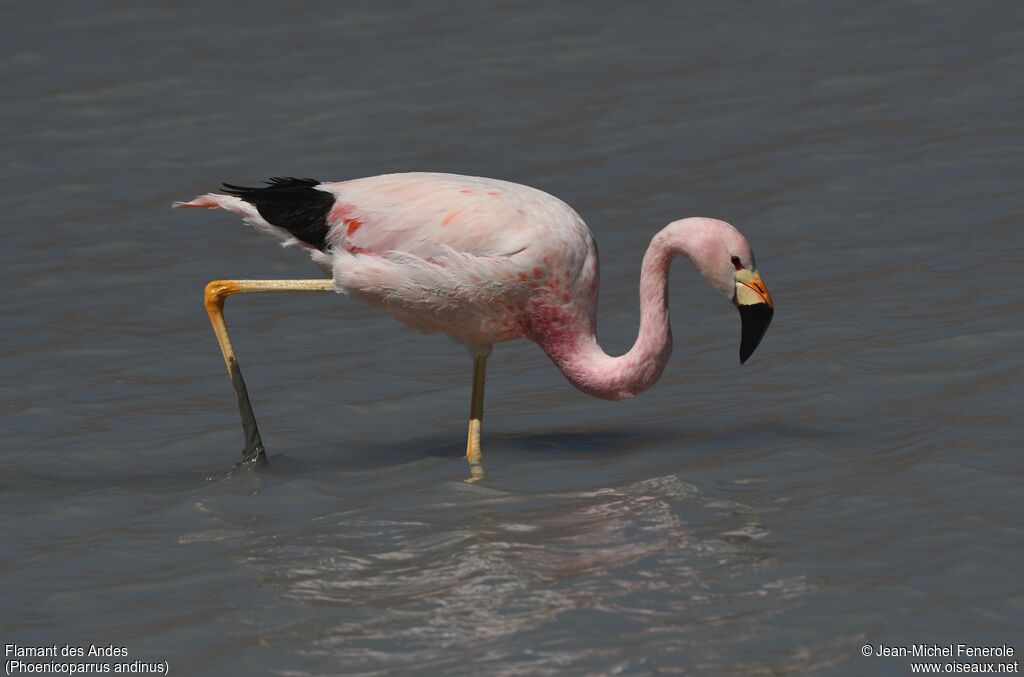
{"points": [[293, 204]]}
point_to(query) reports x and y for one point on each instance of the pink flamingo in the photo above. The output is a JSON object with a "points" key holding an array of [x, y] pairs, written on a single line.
{"points": [[484, 261]]}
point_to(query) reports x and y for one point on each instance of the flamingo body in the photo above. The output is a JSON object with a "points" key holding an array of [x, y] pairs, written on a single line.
{"points": [[477, 259]]}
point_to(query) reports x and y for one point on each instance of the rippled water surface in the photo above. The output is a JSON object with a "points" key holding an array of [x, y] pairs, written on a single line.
{"points": [[858, 481]]}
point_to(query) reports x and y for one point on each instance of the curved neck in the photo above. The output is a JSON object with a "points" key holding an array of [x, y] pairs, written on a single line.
{"points": [[596, 373]]}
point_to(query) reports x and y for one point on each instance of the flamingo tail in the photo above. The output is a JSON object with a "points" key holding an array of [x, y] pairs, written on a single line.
{"points": [[288, 209]]}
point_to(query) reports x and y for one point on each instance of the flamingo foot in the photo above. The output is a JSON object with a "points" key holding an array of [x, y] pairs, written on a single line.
{"points": [[254, 454], [251, 461]]}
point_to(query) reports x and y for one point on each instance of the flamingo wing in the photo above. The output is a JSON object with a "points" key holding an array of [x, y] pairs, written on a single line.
{"points": [[427, 214]]}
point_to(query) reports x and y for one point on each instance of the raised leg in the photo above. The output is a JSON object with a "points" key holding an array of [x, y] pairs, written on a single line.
{"points": [[476, 417], [216, 293]]}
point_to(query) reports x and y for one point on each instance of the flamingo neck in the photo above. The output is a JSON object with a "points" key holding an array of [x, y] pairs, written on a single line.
{"points": [[586, 365]]}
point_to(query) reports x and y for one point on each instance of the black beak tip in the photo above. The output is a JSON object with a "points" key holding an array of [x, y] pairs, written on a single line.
{"points": [[755, 319]]}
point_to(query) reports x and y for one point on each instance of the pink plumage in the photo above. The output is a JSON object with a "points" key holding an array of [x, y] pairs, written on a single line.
{"points": [[487, 261]]}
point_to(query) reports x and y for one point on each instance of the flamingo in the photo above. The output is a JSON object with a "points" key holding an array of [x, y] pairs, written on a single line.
{"points": [[484, 261]]}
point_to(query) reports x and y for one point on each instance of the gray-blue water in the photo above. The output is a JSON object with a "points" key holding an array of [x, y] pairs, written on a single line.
{"points": [[859, 481]]}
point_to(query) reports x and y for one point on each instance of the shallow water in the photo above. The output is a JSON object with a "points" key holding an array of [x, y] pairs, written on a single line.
{"points": [[858, 481]]}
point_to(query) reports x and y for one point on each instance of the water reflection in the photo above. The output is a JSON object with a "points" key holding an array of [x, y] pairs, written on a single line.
{"points": [[483, 571]]}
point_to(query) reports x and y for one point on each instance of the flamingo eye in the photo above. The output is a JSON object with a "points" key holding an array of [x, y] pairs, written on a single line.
{"points": [[736, 263]]}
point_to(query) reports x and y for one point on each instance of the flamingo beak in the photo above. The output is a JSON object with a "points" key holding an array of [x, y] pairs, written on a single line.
{"points": [[756, 310]]}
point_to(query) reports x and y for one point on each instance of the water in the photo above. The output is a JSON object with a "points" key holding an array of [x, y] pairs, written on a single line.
{"points": [[858, 481]]}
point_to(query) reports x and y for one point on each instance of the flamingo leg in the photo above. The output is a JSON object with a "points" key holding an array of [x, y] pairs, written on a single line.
{"points": [[476, 416], [216, 293]]}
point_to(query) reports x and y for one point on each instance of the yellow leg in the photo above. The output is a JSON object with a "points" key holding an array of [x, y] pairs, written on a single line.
{"points": [[476, 418], [216, 293]]}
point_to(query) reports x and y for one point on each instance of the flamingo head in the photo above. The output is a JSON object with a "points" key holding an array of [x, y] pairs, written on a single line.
{"points": [[723, 256]]}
